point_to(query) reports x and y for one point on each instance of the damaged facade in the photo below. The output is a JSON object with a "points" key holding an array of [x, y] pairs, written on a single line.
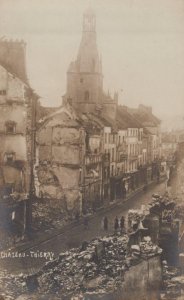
{"points": [[60, 154], [17, 137]]}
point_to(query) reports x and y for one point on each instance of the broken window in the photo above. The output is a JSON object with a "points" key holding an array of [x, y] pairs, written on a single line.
{"points": [[10, 127]]}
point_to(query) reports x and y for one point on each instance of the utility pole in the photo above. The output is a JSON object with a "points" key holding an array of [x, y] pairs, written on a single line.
{"points": [[33, 99]]}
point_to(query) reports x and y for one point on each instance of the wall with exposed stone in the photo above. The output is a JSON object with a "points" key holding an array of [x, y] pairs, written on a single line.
{"points": [[60, 143]]}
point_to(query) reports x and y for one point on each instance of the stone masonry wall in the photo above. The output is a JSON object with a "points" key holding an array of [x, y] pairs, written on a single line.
{"points": [[59, 154]]}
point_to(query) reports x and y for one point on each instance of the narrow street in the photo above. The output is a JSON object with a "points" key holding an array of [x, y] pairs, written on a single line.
{"points": [[74, 238]]}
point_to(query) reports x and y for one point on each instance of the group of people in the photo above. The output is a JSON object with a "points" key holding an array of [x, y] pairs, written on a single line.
{"points": [[119, 224]]}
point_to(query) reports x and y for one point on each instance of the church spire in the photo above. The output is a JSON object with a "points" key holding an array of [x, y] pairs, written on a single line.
{"points": [[89, 21], [88, 58], [84, 76]]}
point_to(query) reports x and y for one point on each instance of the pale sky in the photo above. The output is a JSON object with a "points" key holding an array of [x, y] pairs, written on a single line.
{"points": [[141, 42]]}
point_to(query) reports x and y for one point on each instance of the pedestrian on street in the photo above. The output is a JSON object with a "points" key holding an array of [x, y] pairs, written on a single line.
{"points": [[116, 224], [77, 216], [86, 223], [122, 223], [124, 192], [105, 223]]}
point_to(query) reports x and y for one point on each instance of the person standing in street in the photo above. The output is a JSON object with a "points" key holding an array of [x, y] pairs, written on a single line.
{"points": [[122, 223], [86, 223], [105, 223], [116, 224]]}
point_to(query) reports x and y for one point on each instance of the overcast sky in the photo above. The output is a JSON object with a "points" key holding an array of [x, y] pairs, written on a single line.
{"points": [[141, 42]]}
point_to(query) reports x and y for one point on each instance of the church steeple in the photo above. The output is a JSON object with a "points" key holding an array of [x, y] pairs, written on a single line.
{"points": [[89, 21], [84, 76], [88, 58]]}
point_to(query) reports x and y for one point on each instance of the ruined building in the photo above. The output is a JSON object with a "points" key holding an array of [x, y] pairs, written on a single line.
{"points": [[17, 103], [61, 142]]}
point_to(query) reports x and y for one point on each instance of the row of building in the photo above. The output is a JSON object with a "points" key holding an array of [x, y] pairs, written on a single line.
{"points": [[79, 156], [87, 158]]}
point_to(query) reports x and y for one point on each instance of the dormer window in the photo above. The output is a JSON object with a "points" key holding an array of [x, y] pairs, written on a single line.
{"points": [[10, 127], [2, 92]]}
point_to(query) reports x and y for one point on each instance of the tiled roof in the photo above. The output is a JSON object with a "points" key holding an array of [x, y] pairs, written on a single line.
{"points": [[92, 121], [145, 117], [125, 119]]}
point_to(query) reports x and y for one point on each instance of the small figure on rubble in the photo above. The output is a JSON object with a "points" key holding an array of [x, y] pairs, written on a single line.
{"points": [[105, 223], [122, 224], [116, 224]]}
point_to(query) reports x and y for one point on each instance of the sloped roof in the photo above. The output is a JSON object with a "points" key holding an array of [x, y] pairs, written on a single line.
{"points": [[145, 117], [92, 121], [106, 121], [125, 119]]}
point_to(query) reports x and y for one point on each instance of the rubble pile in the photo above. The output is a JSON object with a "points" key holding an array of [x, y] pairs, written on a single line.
{"points": [[11, 285], [97, 266], [144, 249], [148, 249], [48, 217], [162, 202], [135, 216]]}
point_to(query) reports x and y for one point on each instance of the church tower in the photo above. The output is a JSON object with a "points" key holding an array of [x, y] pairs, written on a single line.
{"points": [[84, 76]]}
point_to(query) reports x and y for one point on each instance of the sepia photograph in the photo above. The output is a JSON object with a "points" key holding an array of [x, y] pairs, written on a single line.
{"points": [[92, 150]]}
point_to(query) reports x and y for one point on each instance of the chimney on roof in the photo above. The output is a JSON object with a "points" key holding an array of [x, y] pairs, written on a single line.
{"points": [[12, 57]]}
